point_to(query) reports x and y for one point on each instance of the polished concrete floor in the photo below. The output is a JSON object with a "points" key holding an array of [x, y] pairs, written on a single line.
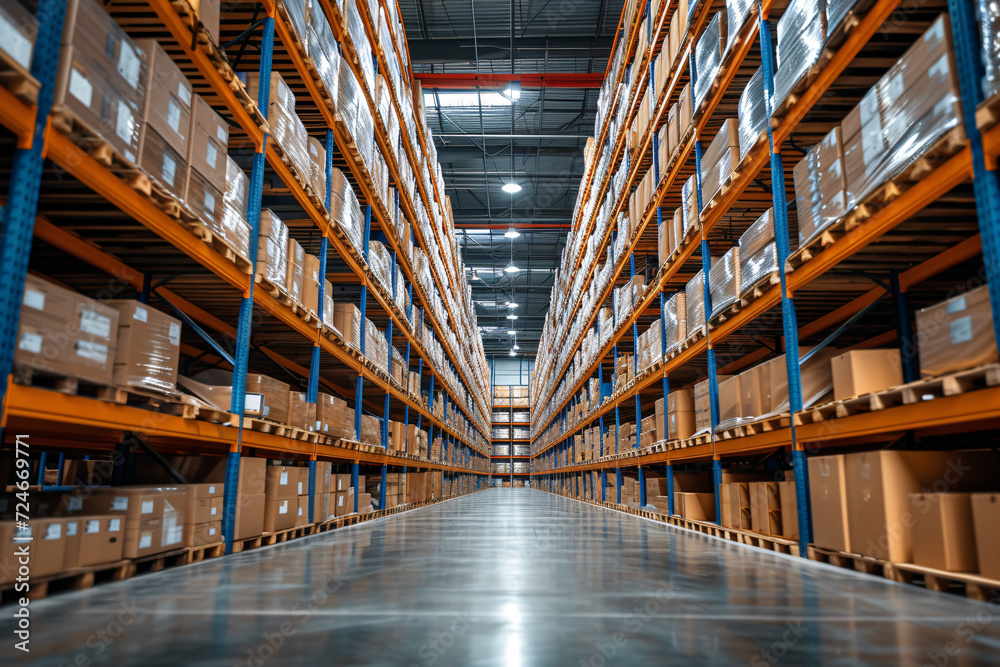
{"points": [[512, 577]]}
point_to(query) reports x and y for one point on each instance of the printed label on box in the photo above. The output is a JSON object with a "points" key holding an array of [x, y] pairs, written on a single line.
{"points": [[211, 532], [53, 531], [145, 541], [95, 324], [14, 43], [174, 116], [168, 172], [71, 529], [147, 507], [184, 93], [114, 525], [120, 503], [75, 504], [33, 299], [209, 202], [222, 135], [22, 532], [30, 342], [283, 480], [129, 65], [211, 154], [140, 314], [283, 507], [956, 305], [175, 339], [961, 330], [213, 511], [80, 87], [93, 351], [172, 532], [125, 125], [93, 526]]}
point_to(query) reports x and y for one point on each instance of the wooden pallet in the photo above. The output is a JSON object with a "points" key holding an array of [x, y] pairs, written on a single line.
{"points": [[269, 287], [701, 439], [220, 244], [750, 293], [972, 586], [260, 425], [69, 384], [765, 425], [866, 564], [886, 193], [199, 412], [17, 80], [76, 579], [988, 113]]}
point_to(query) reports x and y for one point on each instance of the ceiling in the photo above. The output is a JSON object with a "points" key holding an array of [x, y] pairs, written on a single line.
{"points": [[537, 141]]}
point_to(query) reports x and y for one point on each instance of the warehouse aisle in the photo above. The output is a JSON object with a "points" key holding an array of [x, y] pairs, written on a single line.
{"points": [[508, 577]]}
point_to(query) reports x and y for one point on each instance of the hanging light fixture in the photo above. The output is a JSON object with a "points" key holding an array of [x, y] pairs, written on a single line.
{"points": [[512, 353], [511, 232], [511, 332], [512, 316], [511, 187]]}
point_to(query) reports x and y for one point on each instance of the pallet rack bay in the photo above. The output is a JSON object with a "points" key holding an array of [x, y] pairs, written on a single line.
{"points": [[511, 457], [931, 229], [81, 214]]}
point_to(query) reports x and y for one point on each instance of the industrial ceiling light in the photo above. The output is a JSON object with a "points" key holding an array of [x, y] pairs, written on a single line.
{"points": [[512, 316], [512, 353], [516, 346], [512, 91], [475, 275], [511, 268], [512, 233], [511, 332], [511, 304], [511, 187]]}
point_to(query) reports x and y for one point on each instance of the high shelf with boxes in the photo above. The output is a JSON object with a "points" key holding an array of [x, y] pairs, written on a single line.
{"points": [[511, 458], [153, 253], [818, 201]]}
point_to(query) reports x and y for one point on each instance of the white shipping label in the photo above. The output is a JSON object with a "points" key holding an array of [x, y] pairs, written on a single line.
{"points": [[211, 154], [865, 470], [71, 529], [301, 492], [81, 88], [75, 504], [95, 324], [120, 504], [935, 33], [146, 541], [125, 125], [169, 170], [961, 330], [93, 526], [93, 351], [940, 68], [114, 525], [283, 507], [147, 507], [283, 481], [175, 339], [53, 531], [30, 342], [172, 531], [184, 93], [869, 106], [300, 511], [15, 43], [211, 489], [212, 513], [140, 314], [174, 116], [894, 87], [211, 532], [33, 299], [340, 501], [22, 532], [209, 202], [129, 65], [956, 305], [222, 135]]}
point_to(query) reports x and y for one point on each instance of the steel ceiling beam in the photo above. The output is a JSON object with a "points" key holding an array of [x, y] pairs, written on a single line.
{"points": [[462, 81], [526, 48]]}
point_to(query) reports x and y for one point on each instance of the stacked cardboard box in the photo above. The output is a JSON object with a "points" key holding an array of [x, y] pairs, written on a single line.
{"points": [[293, 269], [147, 351], [288, 129], [865, 371], [165, 120], [322, 510], [724, 281], [233, 226], [20, 28], [207, 163], [758, 253], [820, 186], [301, 413], [203, 514], [275, 394], [64, 333], [281, 498], [721, 157], [334, 417], [153, 516], [752, 113], [956, 333], [801, 35], [272, 248], [912, 106], [302, 517], [708, 53], [347, 320]]}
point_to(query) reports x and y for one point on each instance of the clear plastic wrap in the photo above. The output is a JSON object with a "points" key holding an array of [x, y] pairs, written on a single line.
{"points": [[101, 77], [272, 247], [209, 144], [904, 115], [275, 396], [836, 11], [724, 281], [989, 24], [297, 11], [345, 209], [694, 302], [233, 226], [708, 56], [820, 187], [719, 160], [689, 206], [165, 133], [293, 269], [301, 413], [347, 320], [323, 49], [758, 252], [956, 334], [752, 113], [328, 305], [675, 321], [801, 35], [737, 12], [148, 349]]}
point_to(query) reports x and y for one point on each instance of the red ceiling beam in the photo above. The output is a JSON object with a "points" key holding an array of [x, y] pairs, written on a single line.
{"points": [[471, 80]]}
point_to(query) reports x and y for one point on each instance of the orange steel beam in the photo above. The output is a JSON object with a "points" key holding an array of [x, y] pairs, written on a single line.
{"points": [[991, 146], [17, 117]]}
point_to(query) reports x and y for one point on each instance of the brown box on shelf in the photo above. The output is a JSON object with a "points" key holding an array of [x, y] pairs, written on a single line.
{"points": [[206, 200], [275, 396], [680, 414], [820, 186], [249, 516], [789, 510], [203, 503], [696, 506], [281, 482], [302, 517], [101, 77], [64, 333], [280, 514], [301, 413], [310, 283], [986, 518], [153, 516], [148, 349], [48, 547], [209, 144], [828, 502], [166, 118], [730, 404], [878, 485], [201, 534], [765, 506], [726, 505], [92, 540], [293, 270], [956, 334], [347, 319], [943, 531], [755, 391], [684, 110], [860, 372], [816, 378]]}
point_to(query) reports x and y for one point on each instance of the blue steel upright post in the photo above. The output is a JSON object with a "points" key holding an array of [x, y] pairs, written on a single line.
{"points": [[17, 217]]}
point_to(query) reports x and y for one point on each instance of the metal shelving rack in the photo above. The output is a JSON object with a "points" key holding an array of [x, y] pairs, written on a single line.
{"points": [[506, 410], [207, 288], [944, 192]]}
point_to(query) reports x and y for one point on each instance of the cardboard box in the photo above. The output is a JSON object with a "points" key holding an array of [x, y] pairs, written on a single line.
{"points": [[65, 333], [302, 485], [301, 413], [879, 483], [209, 144], [789, 510], [201, 534], [730, 403], [275, 396], [680, 414], [828, 502], [166, 114], [956, 334], [280, 514], [47, 546], [341, 506], [203, 504], [92, 540], [755, 391], [342, 482], [943, 531], [148, 349], [696, 506], [303, 518], [294, 270], [282, 482], [765, 508], [859, 372], [986, 518]]}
